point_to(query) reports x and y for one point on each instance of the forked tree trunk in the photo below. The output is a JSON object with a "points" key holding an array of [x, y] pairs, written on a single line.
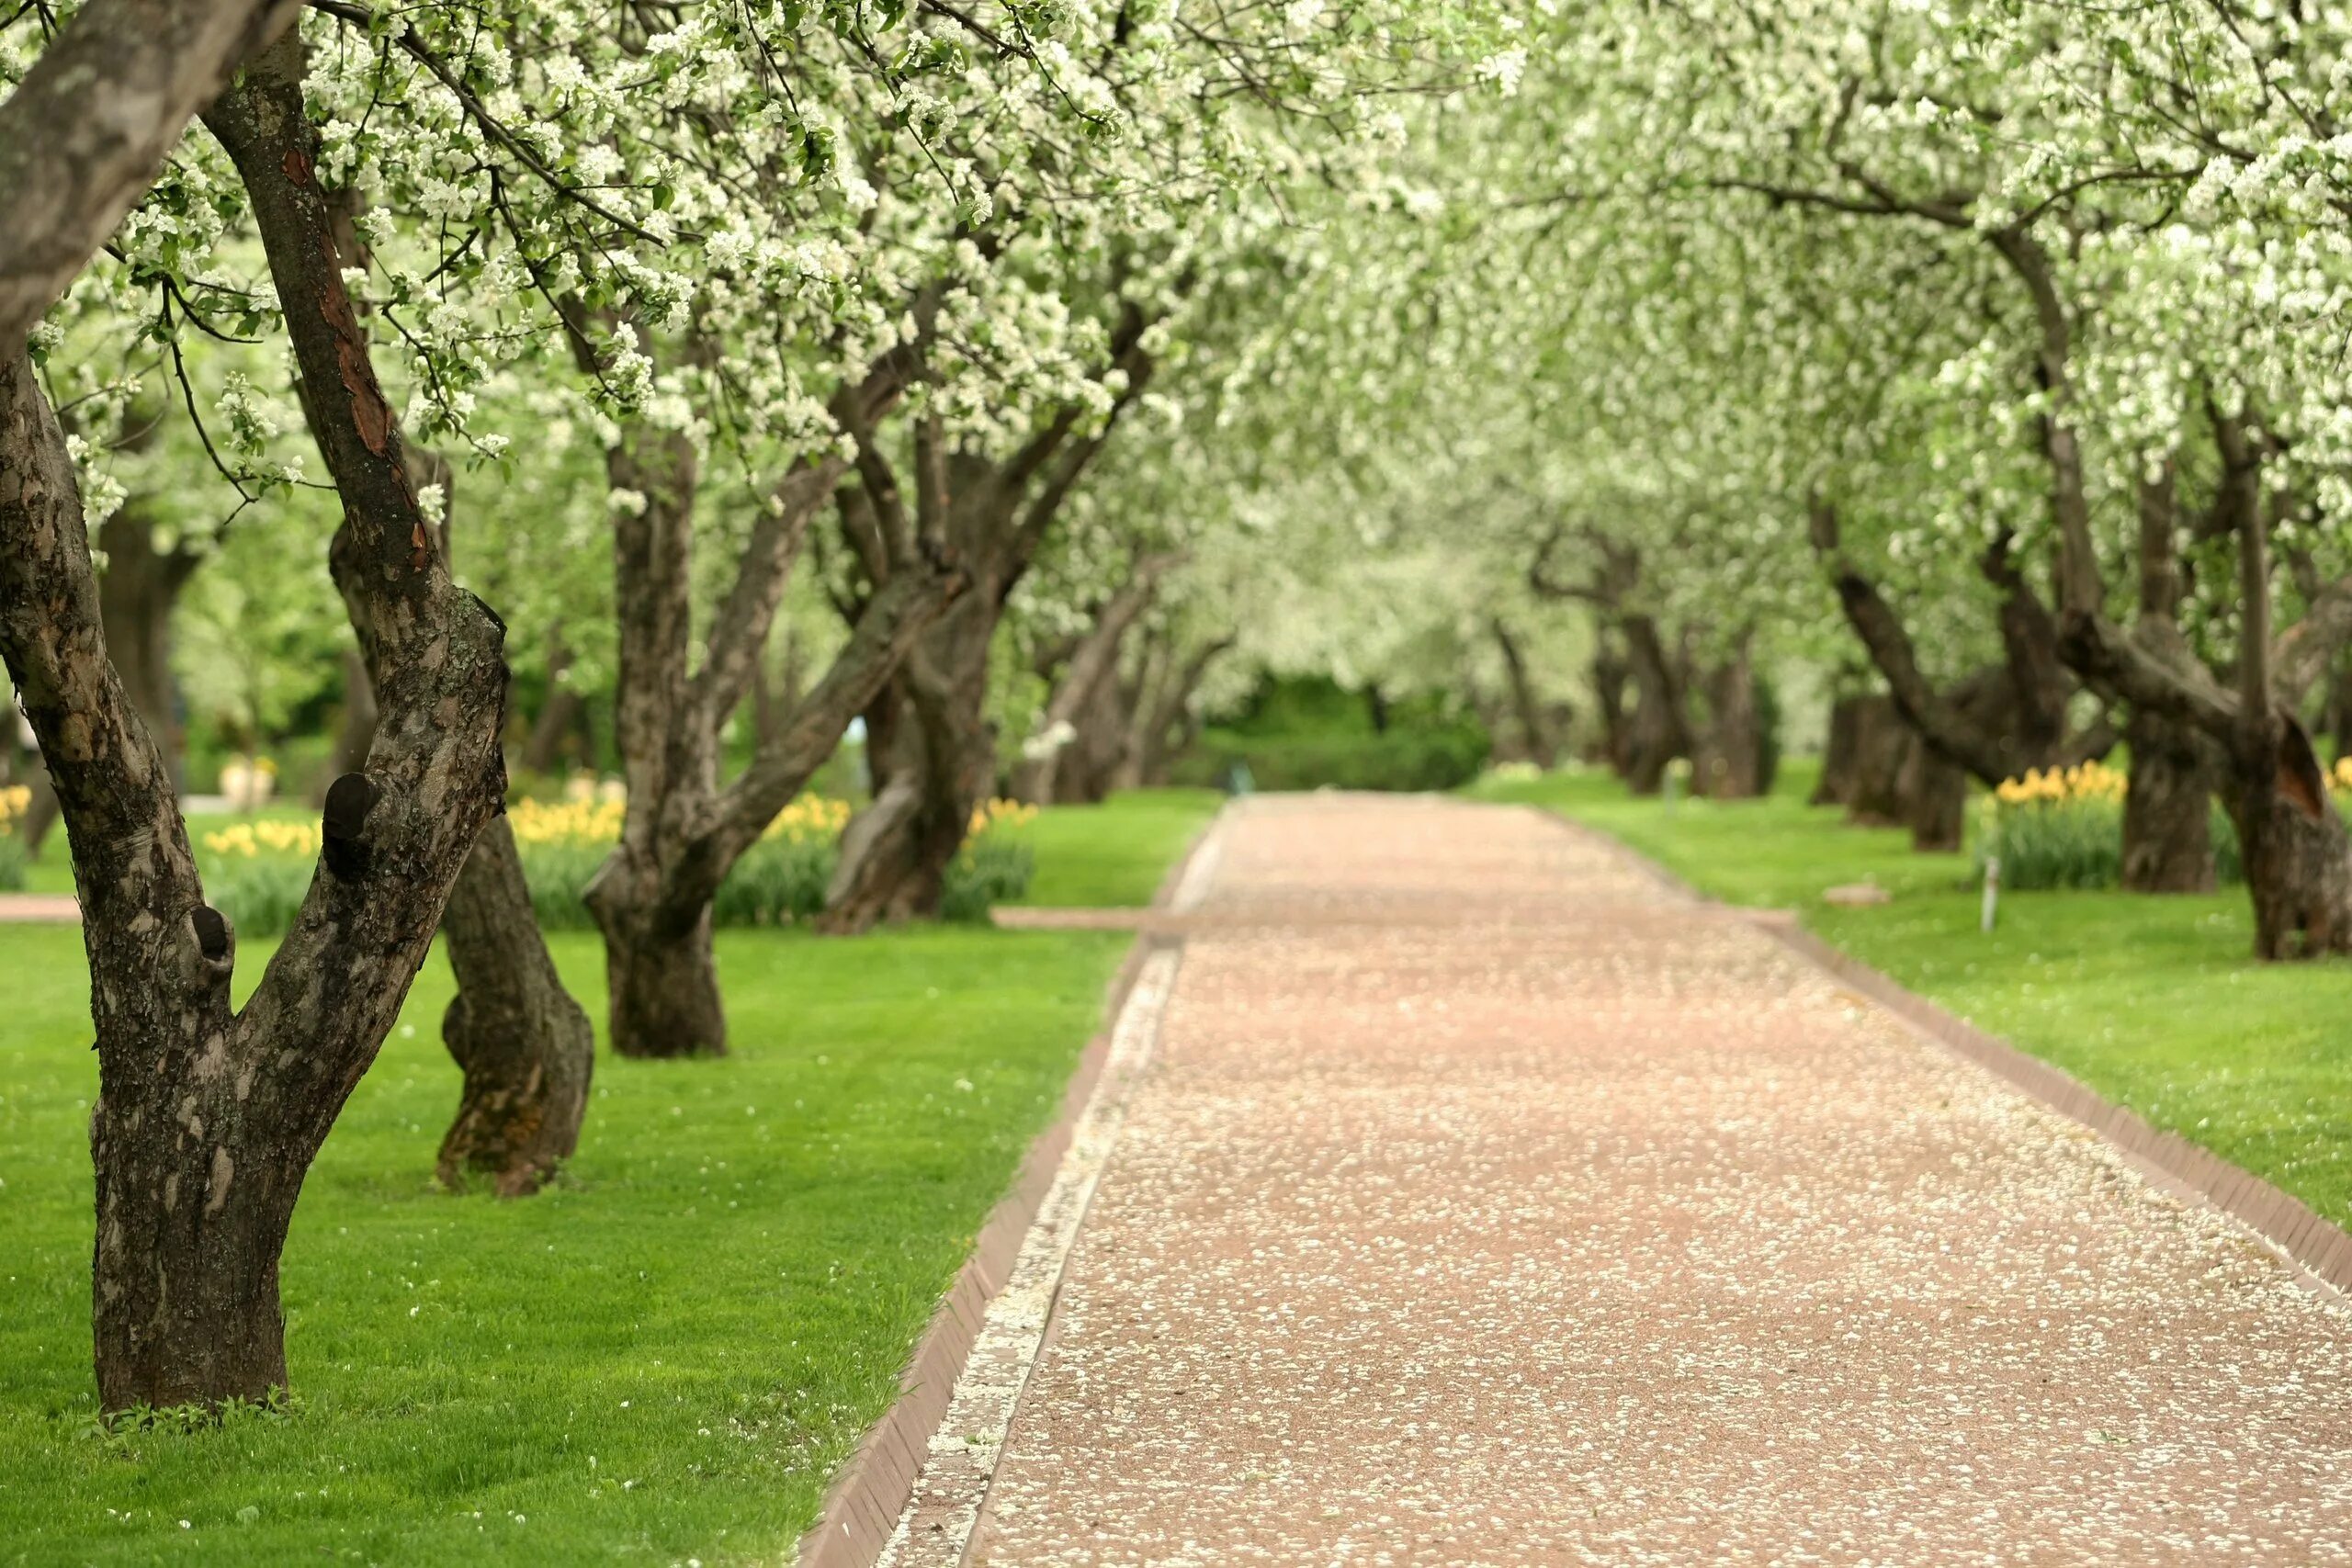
{"points": [[208, 1117], [990, 518], [684, 831], [933, 766], [524, 1045], [2168, 811]]}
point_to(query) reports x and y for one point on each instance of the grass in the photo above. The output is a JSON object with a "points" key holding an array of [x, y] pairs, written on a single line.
{"points": [[2152, 1001], [1115, 855], [665, 1357]]}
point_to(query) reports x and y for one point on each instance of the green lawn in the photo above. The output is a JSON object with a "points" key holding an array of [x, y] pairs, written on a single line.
{"points": [[665, 1357], [2153, 1002], [1115, 855]]}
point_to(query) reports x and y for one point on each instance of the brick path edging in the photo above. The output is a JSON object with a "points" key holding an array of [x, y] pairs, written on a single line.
{"points": [[864, 1504], [2317, 1247]]}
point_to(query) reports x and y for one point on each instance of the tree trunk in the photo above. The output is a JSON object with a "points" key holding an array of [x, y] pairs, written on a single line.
{"points": [[137, 593], [1087, 769], [934, 767], [1839, 755], [664, 980], [2168, 815], [2292, 844], [358, 731], [1898, 782], [83, 133], [1535, 724], [524, 1045], [1731, 762], [208, 1117], [1935, 798], [1657, 733], [1610, 676], [1090, 676], [683, 830]]}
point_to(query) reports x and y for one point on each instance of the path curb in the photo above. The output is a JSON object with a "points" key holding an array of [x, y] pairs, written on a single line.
{"points": [[2317, 1247], [867, 1499]]}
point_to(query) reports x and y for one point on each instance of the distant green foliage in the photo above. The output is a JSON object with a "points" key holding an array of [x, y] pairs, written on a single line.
{"points": [[1310, 733], [1399, 760], [13, 862], [993, 869], [2078, 844], [260, 894], [778, 881], [559, 874]]}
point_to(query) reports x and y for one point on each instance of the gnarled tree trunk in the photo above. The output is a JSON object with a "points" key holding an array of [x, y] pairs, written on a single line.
{"points": [[209, 1117], [525, 1046], [2168, 812], [941, 759], [682, 831]]}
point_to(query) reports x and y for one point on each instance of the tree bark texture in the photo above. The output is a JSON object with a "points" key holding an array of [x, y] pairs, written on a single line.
{"points": [[208, 1116], [85, 132], [524, 1045]]}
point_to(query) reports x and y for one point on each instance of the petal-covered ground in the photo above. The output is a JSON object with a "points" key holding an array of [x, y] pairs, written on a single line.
{"points": [[1485, 1203]]}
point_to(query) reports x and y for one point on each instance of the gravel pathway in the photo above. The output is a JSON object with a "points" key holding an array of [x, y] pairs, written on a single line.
{"points": [[1486, 1204]]}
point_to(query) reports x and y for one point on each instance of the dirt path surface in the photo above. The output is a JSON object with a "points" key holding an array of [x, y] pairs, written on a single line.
{"points": [[1486, 1204]]}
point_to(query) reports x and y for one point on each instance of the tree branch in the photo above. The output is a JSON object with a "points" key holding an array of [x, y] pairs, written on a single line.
{"points": [[85, 132]]}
